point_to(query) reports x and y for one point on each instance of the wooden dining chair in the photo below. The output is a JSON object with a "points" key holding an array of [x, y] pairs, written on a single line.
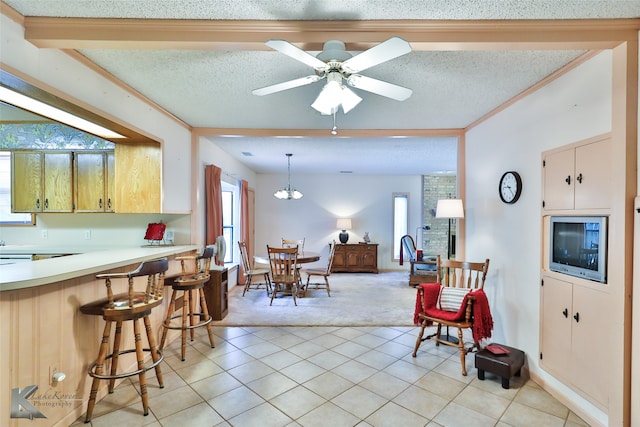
{"points": [[321, 272], [250, 272], [458, 301], [288, 243], [284, 272]]}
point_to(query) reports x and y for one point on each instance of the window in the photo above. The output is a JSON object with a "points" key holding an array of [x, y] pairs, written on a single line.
{"points": [[230, 219], [227, 223], [6, 217], [400, 220]]}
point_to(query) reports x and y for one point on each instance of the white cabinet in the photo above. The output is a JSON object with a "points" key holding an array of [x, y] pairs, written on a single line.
{"points": [[578, 177], [575, 329]]}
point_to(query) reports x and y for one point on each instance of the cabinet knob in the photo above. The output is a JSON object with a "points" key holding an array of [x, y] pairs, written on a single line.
{"points": [[577, 317], [568, 180], [579, 178], [566, 313]]}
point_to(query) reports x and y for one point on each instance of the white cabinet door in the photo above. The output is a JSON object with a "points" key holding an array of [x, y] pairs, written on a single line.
{"points": [[555, 333], [559, 184], [593, 175]]}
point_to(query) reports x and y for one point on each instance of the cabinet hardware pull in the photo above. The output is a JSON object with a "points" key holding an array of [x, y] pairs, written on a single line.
{"points": [[579, 178], [566, 313], [38, 203], [577, 317], [100, 203], [46, 203], [109, 203], [568, 180]]}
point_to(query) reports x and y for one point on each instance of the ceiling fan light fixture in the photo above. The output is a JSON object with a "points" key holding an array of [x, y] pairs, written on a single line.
{"points": [[288, 193], [349, 99], [333, 95]]}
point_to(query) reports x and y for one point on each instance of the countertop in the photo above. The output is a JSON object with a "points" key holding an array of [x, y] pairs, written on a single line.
{"points": [[91, 261]]}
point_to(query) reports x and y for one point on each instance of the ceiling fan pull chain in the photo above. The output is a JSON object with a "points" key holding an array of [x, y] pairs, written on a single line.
{"points": [[334, 130]]}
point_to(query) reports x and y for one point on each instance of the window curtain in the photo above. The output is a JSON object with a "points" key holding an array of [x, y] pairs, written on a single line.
{"points": [[244, 222], [213, 200]]}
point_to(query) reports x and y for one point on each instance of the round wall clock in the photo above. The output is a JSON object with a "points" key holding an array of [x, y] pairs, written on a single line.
{"points": [[510, 187]]}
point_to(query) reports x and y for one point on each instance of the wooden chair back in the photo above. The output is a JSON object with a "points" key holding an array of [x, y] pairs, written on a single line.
{"points": [[332, 252], [201, 262], [135, 301], [282, 263], [244, 254], [462, 274], [288, 243]]}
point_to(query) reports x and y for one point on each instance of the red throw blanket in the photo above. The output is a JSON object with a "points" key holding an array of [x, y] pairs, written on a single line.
{"points": [[482, 320]]}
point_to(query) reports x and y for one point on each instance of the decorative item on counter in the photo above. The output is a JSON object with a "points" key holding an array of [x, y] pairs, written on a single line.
{"points": [[366, 237], [155, 234]]}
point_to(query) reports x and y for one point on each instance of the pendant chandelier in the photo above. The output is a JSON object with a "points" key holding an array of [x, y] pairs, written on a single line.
{"points": [[288, 193]]}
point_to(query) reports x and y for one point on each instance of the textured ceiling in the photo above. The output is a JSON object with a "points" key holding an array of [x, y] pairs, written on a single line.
{"points": [[212, 88]]}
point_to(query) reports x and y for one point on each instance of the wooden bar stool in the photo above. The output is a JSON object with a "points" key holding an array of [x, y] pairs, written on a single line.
{"points": [[189, 282], [129, 306]]}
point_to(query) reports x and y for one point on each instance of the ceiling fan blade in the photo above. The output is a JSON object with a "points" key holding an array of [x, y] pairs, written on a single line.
{"points": [[296, 53], [385, 51], [379, 87], [286, 85]]}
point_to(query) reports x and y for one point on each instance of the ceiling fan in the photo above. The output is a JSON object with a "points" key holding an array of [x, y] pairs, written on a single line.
{"points": [[339, 67]]}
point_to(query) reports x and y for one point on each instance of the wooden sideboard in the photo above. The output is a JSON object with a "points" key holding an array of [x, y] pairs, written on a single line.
{"points": [[355, 258]]}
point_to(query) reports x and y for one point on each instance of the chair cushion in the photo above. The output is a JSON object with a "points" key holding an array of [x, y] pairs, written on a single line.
{"points": [[450, 298]]}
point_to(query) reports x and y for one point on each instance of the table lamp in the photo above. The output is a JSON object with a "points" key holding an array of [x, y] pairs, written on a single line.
{"points": [[343, 224]]}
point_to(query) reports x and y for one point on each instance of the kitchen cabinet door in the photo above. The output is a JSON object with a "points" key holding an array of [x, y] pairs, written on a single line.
{"points": [[26, 182], [92, 181], [58, 184]]}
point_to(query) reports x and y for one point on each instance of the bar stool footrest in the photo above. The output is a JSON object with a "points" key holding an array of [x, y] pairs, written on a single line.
{"points": [[180, 327], [93, 374]]}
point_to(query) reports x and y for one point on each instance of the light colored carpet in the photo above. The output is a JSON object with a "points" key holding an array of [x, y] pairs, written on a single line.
{"points": [[357, 299]]}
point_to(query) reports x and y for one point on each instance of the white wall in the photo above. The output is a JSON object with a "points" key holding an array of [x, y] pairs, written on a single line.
{"points": [[55, 68], [574, 107], [65, 230], [367, 200]]}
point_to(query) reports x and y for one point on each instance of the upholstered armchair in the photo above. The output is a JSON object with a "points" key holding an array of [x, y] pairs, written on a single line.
{"points": [[423, 271]]}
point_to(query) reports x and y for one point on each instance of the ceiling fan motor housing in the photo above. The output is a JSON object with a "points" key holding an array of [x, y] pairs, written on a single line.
{"points": [[333, 50]]}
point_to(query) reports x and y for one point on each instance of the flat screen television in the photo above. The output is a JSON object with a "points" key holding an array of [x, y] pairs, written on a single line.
{"points": [[578, 246]]}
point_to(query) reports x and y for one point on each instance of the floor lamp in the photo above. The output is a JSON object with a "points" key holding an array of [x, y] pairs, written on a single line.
{"points": [[449, 208]]}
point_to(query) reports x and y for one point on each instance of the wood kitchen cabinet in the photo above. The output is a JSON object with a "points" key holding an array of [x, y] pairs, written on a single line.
{"points": [[42, 181], [355, 258], [578, 177], [138, 178], [574, 339], [94, 181]]}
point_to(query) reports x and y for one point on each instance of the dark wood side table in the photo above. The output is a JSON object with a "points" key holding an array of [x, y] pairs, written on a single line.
{"points": [[355, 258], [216, 292]]}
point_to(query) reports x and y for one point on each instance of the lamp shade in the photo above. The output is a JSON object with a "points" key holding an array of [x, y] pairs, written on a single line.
{"points": [[449, 208], [344, 224]]}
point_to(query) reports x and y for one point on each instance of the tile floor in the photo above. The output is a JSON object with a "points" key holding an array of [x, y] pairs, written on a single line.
{"points": [[326, 376]]}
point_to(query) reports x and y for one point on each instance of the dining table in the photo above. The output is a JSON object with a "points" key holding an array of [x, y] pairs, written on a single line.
{"points": [[304, 257]]}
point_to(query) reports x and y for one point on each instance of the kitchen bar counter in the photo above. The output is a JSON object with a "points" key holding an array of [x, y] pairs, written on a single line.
{"points": [[42, 272]]}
